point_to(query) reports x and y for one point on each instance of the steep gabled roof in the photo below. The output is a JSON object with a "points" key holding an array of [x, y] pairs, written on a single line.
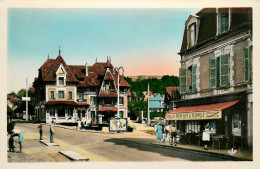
{"points": [[51, 67]]}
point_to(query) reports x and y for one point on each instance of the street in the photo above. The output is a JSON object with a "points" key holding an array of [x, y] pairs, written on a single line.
{"points": [[99, 146]]}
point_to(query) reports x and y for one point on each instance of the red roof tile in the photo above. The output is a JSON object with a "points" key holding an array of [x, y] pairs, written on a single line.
{"points": [[128, 92], [9, 109], [216, 106], [12, 98], [107, 95], [53, 67], [107, 109], [170, 89]]}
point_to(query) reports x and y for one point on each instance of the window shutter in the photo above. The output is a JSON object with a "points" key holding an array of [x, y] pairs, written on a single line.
{"points": [[183, 84], [193, 81], [224, 70], [247, 54], [212, 73]]}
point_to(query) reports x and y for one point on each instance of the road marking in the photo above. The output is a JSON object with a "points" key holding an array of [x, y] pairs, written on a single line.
{"points": [[73, 156], [48, 143]]}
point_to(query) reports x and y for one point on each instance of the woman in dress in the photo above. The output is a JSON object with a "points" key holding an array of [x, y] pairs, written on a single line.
{"points": [[159, 132]]}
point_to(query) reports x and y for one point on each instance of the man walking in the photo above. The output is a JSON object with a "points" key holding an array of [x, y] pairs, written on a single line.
{"points": [[51, 131], [40, 130], [173, 134]]}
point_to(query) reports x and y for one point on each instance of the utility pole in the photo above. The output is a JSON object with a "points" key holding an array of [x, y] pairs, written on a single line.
{"points": [[148, 111], [26, 99]]}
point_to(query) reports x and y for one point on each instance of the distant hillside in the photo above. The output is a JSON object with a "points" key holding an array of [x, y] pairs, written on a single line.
{"points": [[141, 77], [157, 85]]}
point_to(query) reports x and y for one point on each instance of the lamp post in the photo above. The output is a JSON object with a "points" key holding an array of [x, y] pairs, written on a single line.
{"points": [[117, 70]]}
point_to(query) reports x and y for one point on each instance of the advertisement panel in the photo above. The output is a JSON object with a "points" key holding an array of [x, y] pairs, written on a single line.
{"points": [[214, 114], [118, 125]]}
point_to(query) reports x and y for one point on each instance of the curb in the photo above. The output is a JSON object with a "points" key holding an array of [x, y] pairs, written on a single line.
{"points": [[225, 156]]}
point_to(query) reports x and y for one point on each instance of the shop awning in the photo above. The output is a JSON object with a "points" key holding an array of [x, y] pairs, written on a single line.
{"points": [[210, 111], [107, 109]]}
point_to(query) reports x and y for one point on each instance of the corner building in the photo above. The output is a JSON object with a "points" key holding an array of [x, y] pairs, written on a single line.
{"points": [[71, 93], [216, 75]]}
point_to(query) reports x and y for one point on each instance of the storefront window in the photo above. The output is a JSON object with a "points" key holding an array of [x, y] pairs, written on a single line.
{"points": [[236, 125], [192, 126], [212, 125]]}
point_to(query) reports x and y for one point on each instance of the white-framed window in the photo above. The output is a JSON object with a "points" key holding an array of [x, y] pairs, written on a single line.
{"points": [[70, 112], [92, 100], [192, 34], [61, 94], [61, 81], [121, 100], [81, 96], [121, 114], [52, 95], [70, 94]]}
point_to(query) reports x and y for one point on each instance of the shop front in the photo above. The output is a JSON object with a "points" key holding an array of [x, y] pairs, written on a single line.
{"points": [[225, 121]]}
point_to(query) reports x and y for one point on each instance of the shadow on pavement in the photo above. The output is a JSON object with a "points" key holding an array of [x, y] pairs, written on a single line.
{"points": [[143, 144]]}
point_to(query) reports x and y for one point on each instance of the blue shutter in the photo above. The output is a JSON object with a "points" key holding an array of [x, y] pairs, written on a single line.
{"points": [[212, 73], [183, 81], [224, 70], [247, 66], [194, 78]]}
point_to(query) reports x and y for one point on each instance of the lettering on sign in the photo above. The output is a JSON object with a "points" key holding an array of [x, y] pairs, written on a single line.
{"points": [[214, 114]]}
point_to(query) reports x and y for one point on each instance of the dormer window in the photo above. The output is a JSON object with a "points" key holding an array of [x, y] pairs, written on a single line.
{"points": [[223, 20], [61, 75], [61, 81], [192, 34]]}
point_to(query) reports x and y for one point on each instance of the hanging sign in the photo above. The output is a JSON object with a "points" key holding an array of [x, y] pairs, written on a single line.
{"points": [[214, 114]]}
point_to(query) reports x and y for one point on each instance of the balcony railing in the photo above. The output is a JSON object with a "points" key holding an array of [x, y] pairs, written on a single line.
{"points": [[79, 100], [108, 91], [107, 105]]}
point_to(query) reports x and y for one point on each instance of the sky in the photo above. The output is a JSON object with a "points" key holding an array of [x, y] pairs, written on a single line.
{"points": [[143, 41]]}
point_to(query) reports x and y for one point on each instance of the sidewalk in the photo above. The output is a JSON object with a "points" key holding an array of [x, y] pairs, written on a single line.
{"points": [[240, 154]]}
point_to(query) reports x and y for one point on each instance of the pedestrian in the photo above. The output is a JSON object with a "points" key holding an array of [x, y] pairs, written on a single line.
{"points": [[173, 134], [206, 136], [51, 131], [166, 130], [40, 130], [11, 143], [20, 141], [159, 132]]}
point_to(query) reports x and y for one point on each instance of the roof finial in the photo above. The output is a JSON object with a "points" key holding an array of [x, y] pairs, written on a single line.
{"points": [[48, 56], [96, 59], [59, 50]]}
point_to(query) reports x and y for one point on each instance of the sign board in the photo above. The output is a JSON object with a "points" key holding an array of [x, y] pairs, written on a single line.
{"points": [[214, 114], [26, 98], [118, 125]]}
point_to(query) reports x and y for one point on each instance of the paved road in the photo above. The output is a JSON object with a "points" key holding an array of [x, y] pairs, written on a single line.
{"points": [[119, 147]]}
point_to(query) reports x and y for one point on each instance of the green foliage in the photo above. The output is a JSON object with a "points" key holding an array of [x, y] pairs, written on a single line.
{"points": [[135, 107], [156, 85], [21, 105]]}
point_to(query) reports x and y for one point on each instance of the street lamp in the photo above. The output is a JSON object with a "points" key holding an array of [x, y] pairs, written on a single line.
{"points": [[117, 70]]}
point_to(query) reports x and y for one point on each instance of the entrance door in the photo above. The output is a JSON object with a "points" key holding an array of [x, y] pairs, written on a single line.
{"points": [[61, 112]]}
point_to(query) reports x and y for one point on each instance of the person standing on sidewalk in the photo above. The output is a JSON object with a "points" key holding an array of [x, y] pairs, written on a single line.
{"points": [[159, 129], [11, 143], [51, 131], [40, 130], [173, 134], [20, 141], [206, 136]]}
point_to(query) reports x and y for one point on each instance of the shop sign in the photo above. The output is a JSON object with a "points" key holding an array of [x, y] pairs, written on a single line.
{"points": [[214, 114], [118, 125]]}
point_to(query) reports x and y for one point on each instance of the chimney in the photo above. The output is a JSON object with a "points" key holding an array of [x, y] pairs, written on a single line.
{"points": [[86, 73]]}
